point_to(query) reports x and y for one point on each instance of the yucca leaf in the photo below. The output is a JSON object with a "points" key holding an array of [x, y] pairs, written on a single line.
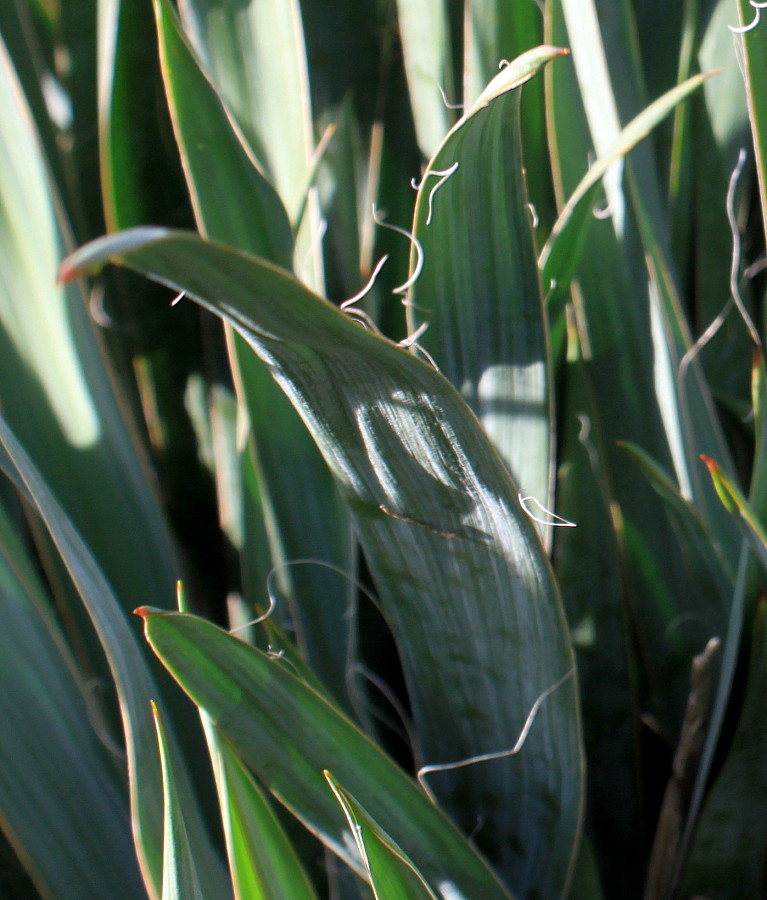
{"points": [[736, 504], [55, 388], [262, 861], [476, 282], [180, 880], [635, 383], [755, 66], [427, 49], [304, 518], [718, 568], [392, 875], [587, 561], [495, 31], [456, 561], [560, 255], [133, 680], [231, 197], [62, 807], [255, 56], [288, 735]]}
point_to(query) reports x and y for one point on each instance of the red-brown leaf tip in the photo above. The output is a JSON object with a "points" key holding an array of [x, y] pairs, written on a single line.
{"points": [[710, 463], [66, 272], [144, 611]]}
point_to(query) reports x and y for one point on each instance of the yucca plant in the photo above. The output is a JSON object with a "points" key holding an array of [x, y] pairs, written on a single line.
{"points": [[449, 519]]}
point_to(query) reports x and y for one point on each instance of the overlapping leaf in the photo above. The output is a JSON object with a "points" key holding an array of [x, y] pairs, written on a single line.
{"points": [[288, 735], [457, 563]]}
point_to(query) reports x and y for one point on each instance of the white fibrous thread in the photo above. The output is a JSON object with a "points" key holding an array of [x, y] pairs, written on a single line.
{"points": [[443, 174], [742, 29], [403, 288], [500, 754], [554, 520]]}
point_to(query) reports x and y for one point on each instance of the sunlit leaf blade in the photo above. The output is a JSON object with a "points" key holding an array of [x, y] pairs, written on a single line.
{"points": [[425, 33], [262, 861], [288, 735], [231, 197], [687, 417], [757, 491], [633, 380], [133, 680], [730, 838], [53, 766], [392, 875], [561, 252], [476, 282], [495, 31], [514, 74], [179, 871], [123, 43], [255, 56], [304, 516], [690, 420], [28, 44], [457, 563]]}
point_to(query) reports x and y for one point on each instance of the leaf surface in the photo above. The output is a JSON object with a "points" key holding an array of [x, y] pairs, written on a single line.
{"points": [[463, 579]]}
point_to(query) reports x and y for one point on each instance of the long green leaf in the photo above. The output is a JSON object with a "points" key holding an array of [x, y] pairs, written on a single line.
{"points": [[477, 284], [180, 880], [392, 875], [217, 161], [61, 806], [288, 735], [560, 254], [262, 861], [303, 514], [55, 389], [498, 30], [133, 680], [633, 381], [755, 66], [256, 58], [587, 562], [427, 48], [462, 576]]}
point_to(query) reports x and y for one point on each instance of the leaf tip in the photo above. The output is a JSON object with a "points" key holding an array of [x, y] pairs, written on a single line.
{"points": [[146, 611], [67, 271]]}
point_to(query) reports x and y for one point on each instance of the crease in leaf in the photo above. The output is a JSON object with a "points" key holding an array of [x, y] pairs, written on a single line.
{"points": [[393, 875]]}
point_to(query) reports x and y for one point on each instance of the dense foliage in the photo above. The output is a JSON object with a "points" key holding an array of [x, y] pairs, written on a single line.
{"points": [[415, 402]]}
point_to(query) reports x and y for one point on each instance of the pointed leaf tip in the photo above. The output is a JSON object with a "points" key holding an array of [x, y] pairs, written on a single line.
{"points": [[66, 271], [145, 611], [515, 73]]}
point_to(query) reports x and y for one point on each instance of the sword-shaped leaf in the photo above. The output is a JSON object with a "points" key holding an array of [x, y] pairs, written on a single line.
{"points": [[463, 579]]}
